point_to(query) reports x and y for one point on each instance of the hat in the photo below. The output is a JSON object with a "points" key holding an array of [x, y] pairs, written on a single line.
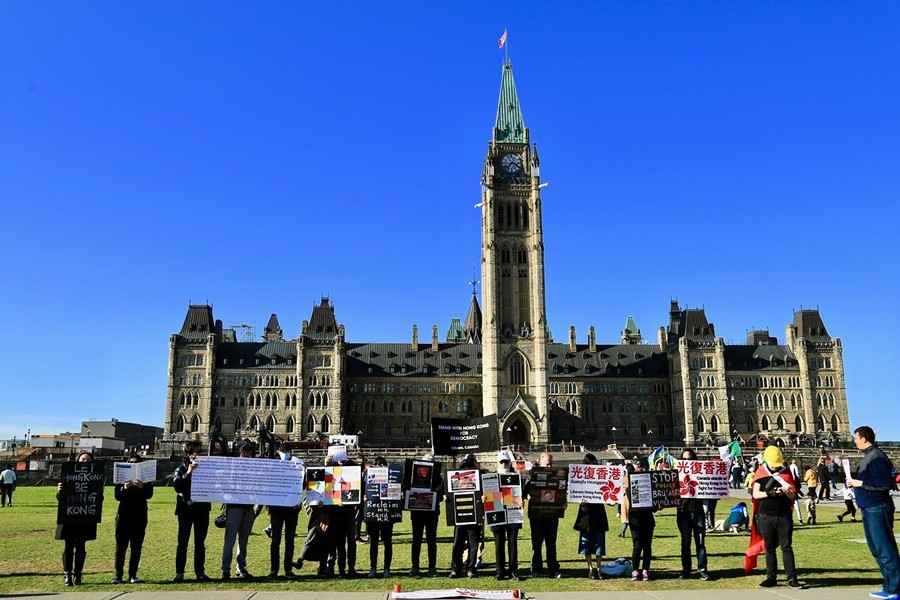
{"points": [[773, 457]]}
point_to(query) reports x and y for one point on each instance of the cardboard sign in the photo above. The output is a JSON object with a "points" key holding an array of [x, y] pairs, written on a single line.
{"points": [[420, 500], [665, 488], [596, 484], [547, 491], [502, 497], [235, 480], [422, 475], [384, 495], [142, 471], [465, 508], [82, 493], [333, 486], [703, 479], [460, 436], [468, 480], [640, 488]]}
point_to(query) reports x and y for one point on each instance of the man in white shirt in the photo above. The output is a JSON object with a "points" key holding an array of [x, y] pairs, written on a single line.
{"points": [[795, 472], [7, 485]]}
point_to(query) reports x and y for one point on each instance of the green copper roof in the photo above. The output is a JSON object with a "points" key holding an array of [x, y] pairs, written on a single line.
{"points": [[631, 326], [509, 126]]}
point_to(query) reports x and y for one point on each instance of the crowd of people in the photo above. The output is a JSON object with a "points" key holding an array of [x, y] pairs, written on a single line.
{"points": [[334, 531]]}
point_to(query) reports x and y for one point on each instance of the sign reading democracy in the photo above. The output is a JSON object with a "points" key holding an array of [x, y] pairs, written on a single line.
{"points": [[234, 480], [456, 436], [703, 479], [547, 491], [142, 471], [384, 494], [81, 502], [596, 484]]}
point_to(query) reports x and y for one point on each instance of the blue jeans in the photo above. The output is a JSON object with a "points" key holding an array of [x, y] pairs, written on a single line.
{"points": [[878, 523]]}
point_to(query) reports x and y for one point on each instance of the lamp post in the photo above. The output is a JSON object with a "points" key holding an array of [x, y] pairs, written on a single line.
{"points": [[613, 429]]}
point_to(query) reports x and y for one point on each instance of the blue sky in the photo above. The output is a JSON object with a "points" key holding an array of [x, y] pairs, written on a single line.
{"points": [[738, 157]]}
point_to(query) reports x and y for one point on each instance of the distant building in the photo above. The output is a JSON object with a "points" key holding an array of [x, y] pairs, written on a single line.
{"points": [[132, 435], [56, 441]]}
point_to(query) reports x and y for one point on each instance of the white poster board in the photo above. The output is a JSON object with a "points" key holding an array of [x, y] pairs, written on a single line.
{"points": [[703, 479], [142, 471], [641, 488], [232, 480], [845, 464], [596, 484]]}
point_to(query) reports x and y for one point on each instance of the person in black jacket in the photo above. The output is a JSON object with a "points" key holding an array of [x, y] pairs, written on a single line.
{"points": [[238, 524], [691, 524], [191, 515], [544, 530], [379, 532], [466, 537], [591, 524], [283, 517], [74, 535], [131, 524], [426, 522]]}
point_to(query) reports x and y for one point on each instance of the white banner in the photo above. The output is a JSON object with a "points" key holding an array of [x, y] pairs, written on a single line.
{"points": [[703, 479], [596, 484], [141, 471], [264, 481], [641, 488]]}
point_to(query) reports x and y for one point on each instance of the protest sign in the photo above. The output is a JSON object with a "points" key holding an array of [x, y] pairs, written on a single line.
{"points": [[547, 491], [465, 508], [81, 502], [234, 480], [467, 480], [640, 490], [420, 500], [595, 484], [458, 594], [845, 464], [384, 496], [460, 436], [703, 479], [142, 471], [333, 486], [665, 488], [422, 475]]}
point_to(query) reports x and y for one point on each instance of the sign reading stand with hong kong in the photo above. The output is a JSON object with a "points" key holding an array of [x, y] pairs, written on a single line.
{"points": [[703, 479], [596, 484]]}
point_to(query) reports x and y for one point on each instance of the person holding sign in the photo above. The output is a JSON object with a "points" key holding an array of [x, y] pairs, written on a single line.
{"points": [[131, 524], [774, 491], [591, 524], [238, 523], [283, 518], [543, 516], [80, 501], [379, 524], [506, 534], [424, 519], [691, 524], [191, 516], [466, 537], [641, 523]]}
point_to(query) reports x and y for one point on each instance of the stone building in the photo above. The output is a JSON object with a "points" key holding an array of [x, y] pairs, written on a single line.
{"points": [[685, 386]]}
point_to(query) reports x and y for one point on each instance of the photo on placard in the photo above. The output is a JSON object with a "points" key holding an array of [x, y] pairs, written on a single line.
{"points": [[464, 481], [422, 474], [420, 500]]}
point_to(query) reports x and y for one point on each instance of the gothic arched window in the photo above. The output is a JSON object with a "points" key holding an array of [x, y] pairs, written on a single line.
{"points": [[714, 424], [179, 424], [326, 424], [701, 424], [289, 427], [270, 423], [834, 423], [765, 423], [517, 370], [195, 424], [310, 424], [798, 424]]}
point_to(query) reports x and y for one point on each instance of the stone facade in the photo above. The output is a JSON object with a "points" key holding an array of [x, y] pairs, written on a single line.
{"points": [[686, 387]]}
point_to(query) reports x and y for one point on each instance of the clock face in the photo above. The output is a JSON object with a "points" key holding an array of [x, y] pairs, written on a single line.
{"points": [[512, 164]]}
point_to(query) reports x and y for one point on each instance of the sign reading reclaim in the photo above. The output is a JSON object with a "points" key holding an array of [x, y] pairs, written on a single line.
{"points": [[384, 494], [454, 436]]}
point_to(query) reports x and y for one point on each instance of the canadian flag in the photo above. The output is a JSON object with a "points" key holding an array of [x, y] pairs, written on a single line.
{"points": [[502, 41]]}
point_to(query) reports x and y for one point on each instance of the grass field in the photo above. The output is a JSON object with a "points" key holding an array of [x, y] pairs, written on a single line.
{"points": [[828, 554]]}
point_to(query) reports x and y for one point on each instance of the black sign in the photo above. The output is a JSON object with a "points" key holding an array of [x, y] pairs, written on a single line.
{"points": [[665, 489], [465, 508], [460, 436], [422, 475], [384, 494], [82, 493], [547, 491]]}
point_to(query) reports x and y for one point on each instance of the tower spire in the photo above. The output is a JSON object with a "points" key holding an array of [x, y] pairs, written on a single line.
{"points": [[509, 126]]}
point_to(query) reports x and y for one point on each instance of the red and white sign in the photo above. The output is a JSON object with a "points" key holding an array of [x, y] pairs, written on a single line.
{"points": [[596, 484], [703, 479]]}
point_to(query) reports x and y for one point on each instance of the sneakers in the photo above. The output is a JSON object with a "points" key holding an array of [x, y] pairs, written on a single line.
{"points": [[635, 575], [373, 573], [134, 580], [704, 575], [117, 580], [202, 578], [556, 575], [883, 596], [454, 575], [244, 574], [795, 583], [502, 576], [67, 579], [471, 574], [685, 575], [767, 583], [179, 578], [841, 518], [594, 574], [76, 578], [386, 574], [226, 575], [432, 572], [646, 575]]}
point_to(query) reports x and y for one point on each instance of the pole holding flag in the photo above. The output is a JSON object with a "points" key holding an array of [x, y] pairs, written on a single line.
{"points": [[501, 43]]}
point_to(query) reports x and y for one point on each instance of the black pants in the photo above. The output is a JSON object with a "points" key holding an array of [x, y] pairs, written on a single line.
{"points": [[692, 525], [851, 509], [641, 523], [427, 523], [824, 491], [506, 542], [129, 532], [777, 531], [344, 551], [6, 492], [74, 554], [710, 513], [286, 519], [380, 532], [465, 537], [543, 532], [198, 520]]}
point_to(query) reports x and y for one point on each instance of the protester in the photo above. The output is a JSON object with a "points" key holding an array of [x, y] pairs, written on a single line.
{"points": [[849, 497], [426, 522], [642, 523], [465, 537], [380, 532], [506, 535], [822, 473], [131, 524], [737, 470], [738, 519], [282, 518], [7, 486], [74, 536], [774, 489], [238, 523], [591, 524], [343, 521], [544, 530], [873, 485], [811, 479], [691, 524], [191, 516]]}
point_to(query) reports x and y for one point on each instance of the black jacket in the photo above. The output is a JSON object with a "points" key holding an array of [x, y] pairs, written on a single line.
{"points": [[133, 502], [182, 484]]}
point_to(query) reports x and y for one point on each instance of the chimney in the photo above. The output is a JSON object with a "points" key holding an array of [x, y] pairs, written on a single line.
{"points": [[434, 338], [415, 337], [572, 345], [592, 339]]}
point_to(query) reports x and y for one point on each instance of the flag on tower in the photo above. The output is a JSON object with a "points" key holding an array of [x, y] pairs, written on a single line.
{"points": [[502, 41]]}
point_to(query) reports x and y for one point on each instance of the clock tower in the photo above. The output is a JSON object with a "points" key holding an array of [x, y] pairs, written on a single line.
{"points": [[515, 332]]}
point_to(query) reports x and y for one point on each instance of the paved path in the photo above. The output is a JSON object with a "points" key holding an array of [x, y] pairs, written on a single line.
{"points": [[780, 593]]}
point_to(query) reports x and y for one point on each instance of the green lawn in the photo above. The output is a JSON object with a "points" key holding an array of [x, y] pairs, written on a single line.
{"points": [[30, 557]]}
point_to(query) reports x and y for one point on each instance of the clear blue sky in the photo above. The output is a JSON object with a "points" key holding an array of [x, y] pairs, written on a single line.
{"points": [[744, 158]]}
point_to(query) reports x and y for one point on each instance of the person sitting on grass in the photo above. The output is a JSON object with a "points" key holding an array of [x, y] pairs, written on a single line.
{"points": [[738, 519]]}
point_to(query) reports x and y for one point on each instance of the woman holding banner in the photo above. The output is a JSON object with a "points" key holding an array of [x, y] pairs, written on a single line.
{"points": [[591, 524], [380, 532], [506, 535], [131, 524], [74, 535], [642, 523], [465, 537], [690, 517]]}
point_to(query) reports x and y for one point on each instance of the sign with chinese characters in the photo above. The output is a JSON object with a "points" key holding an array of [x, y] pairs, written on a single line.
{"points": [[547, 491], [596, 484], [384, 494], [465, 508], [703, 479]]}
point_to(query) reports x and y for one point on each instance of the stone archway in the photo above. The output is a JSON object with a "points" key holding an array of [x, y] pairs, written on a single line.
{"points": [[517, 432]]}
